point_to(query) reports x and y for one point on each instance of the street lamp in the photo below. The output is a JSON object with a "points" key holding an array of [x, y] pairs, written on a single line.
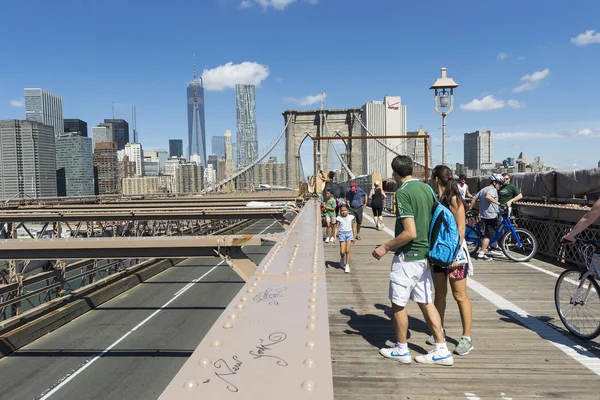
{"points": [[444, 103]]}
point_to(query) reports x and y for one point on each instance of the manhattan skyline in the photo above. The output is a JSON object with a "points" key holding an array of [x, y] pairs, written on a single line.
{"points": [[528, 83]]}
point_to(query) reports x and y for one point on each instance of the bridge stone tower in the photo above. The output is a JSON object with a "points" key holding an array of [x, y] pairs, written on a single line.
{"points": [[304, 123]]}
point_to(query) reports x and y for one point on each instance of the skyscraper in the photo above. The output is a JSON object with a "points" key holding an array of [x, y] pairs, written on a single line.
{"points": [[479, 150], [74, 166], [44, 107], [119, 131], [175, 148], [229, 168], [106, 168], [196, 128], [136, 154], [395, 124], [76, 126], [374, 158], [101, 134], [218, 145], [28, 159], [247, 139]]}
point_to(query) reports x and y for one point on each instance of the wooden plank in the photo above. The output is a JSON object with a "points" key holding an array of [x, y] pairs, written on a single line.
{"points": [[509, 360]]}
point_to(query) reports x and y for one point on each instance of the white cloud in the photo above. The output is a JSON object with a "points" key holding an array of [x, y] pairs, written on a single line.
{"points": [[589, 37], [502, 56], [532, 81], [305, 101], [17, 103], [582, 133], [490, 103], [276, 4], [228, 75], [515, 104]]}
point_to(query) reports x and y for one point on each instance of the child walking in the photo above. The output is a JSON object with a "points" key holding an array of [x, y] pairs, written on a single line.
{"points": [[346, 233], [329, 206]]}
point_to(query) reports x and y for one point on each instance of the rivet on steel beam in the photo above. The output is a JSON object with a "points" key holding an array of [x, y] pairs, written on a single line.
{"points": [[244, 298], [311, 327], [309, 362], [232, 316], [190, 385], [255, 283], [227, 325], [240, 306], [204, 362], [312, 306], [311, 344], [313, 299], [313, 291], [216, 343], [312, 317], [250, 290], [315, 284], [309, 386], [258, 278], [314, 278], [287, 273]]}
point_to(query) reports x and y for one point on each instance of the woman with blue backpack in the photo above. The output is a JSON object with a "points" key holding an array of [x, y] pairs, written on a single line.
{"points": [[449, 195]]}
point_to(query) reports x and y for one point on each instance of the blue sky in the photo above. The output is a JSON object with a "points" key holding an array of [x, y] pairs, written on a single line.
{"points": [[528, 70]]}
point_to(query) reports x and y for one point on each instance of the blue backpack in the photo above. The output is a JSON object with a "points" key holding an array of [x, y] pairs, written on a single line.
{"points": [[444, 240]]}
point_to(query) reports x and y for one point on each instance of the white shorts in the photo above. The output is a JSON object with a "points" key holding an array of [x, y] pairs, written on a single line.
{"points": [[410, 280]]}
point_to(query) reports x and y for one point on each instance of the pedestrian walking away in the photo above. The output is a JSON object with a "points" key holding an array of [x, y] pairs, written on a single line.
{"points": [[346, 234], [329, 214], [449, 195], [377, 195], [356, 198], [410, 276]]}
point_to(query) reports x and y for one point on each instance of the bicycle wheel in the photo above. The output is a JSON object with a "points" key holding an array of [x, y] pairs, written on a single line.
{"points": [[581, 315], [473, 240], [517, 253]]}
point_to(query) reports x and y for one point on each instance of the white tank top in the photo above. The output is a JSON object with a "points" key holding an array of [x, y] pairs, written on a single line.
{"points": [[463, 190]]}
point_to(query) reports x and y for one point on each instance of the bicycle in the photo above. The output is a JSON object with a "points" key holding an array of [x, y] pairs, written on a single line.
{"points": [[577, 293], [517, 244]]}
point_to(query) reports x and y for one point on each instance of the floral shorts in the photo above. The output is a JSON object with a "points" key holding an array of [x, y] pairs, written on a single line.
{"points": [[457, 273]]}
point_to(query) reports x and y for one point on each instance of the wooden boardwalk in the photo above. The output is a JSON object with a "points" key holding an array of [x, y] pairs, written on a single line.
{"points": [[521, 349]]}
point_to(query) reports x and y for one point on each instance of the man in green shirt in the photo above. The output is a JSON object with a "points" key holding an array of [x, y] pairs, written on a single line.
{"points": [[410, 277], [508, 193]]}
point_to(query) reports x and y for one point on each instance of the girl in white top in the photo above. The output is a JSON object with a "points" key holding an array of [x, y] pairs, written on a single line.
{"points": [[346, 233]]}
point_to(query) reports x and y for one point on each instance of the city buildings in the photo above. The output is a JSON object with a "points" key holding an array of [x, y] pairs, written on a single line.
{"points": [[373, 117], [146, 185], [247, 139], [118, 131], [175, 148], [196, 121], [479, 151], [106, 168], [163, 156], [127, 168], [189, 178], [136, 154], [172, 164], [270, 173], [101, 134], [76, 126], [218, 145], [415, 148], [228, 154], [213, 162], [383, 118], [44, 107], [28, 156], [74, 165]]}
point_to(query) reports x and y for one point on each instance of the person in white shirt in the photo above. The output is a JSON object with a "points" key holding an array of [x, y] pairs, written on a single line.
{"points": [[346, 233], [463, 188]]}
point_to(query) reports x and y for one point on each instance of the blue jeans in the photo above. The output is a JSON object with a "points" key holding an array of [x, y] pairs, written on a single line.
{"points": [[345, 236]]}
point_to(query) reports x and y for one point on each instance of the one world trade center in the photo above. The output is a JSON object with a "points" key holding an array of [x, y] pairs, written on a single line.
{"points": [[196, 127]]}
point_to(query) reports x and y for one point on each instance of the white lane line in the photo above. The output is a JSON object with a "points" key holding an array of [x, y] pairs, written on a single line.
{"points": [[569, 347], [93, 360], [386, 229], [186, 287], [67, 379]]}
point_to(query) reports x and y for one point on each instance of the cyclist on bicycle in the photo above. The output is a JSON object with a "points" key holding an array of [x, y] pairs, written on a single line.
{"points": [[463, 188], [488, 197], [583, 223]]}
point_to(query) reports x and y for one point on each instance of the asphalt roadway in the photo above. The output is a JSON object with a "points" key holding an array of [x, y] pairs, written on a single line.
{"points": [[132, 346]]}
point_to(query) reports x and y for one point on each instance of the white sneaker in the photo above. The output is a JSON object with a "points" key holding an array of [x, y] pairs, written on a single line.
{"points": [[435, 357], [394, 354], [332, 240], [347, 269], [326, 240]]}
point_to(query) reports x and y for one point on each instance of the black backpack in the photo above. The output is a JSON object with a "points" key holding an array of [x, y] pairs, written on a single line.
{"points": [[337, 191]]}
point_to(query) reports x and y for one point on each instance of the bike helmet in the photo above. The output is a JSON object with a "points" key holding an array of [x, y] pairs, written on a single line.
{"points": [[497, 178]]}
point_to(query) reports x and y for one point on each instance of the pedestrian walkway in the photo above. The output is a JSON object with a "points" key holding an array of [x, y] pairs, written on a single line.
{"points": [[521, 348]]}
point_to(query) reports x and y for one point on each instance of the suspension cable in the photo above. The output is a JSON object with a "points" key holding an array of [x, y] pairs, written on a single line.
{"points": [[352, 176]]}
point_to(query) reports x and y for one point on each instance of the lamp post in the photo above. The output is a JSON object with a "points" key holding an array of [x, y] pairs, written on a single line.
{"points": [[444, 103]]}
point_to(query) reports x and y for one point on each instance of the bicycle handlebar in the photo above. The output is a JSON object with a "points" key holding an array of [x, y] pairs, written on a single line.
{"points": [[594, 243]]}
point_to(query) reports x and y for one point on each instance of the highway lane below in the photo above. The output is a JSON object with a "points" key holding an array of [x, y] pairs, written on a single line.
{"points": [[133, 345]]}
